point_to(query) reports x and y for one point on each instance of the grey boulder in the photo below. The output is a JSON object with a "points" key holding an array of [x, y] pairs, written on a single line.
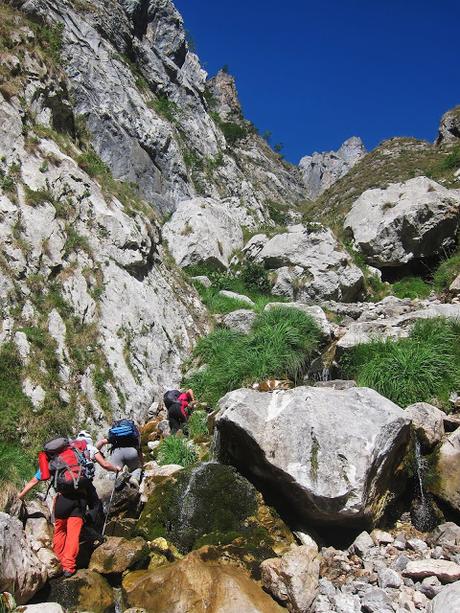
{"points": [[308, 264], [447, 601], [202, 231], [328, 454], [240, 320], [293, 578], [404, 222], [428, 422]]}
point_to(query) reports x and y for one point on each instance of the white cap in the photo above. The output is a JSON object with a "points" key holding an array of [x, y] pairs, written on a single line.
{"points": [[83, 435]]}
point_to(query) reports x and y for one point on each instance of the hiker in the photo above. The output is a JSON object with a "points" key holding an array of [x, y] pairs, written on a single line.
{"points": [[179, 407], [69, 466], [125, 441]]}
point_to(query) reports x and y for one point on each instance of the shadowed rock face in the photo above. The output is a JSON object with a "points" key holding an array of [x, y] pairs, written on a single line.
{"points": [[326, 455], [321, 170]]}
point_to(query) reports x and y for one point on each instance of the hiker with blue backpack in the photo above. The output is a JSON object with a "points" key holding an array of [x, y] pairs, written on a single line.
{"points": [[69, 466], [125, 448]]}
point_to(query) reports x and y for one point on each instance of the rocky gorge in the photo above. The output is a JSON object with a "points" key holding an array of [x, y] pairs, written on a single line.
{"points": [[152, 239]]}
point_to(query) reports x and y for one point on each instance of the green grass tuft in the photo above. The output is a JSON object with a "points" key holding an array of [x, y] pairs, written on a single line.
{"points": [[280, 345], [198, 424], [16, 465], [411, 287], [176, 450], [447, 271], [421, 368]]}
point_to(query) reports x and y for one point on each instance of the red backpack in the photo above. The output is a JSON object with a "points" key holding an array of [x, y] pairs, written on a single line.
{"points": [[68, 464]]}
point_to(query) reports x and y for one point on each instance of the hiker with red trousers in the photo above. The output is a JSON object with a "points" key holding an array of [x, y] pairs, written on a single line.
{"points": [[70, 466], [179, 407]]}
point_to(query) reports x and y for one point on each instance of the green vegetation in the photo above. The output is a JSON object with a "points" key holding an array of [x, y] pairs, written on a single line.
{"points": [[50, 39], [281, 345], [447, 272], [395, 160], [37, 197], [16, 464], [411, 287], [14, 404], [421, 368], [176, 450], [249, 279], [92, 164], [166, 108], [76, 241], [233, 132], [198, 425]]}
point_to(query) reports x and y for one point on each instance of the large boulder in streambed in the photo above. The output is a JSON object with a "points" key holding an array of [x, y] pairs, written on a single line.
{"points": [[196, 586], [328, 455]]}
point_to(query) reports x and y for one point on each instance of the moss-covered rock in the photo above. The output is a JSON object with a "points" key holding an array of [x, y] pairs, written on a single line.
{"points": [[85, 591], [202, 500], [117, 554]]}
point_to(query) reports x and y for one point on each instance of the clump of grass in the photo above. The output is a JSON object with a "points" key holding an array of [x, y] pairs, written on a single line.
{"points": [[166, 108], [16, 465], [411, 287], [198, 424], [92, 164], [281, 344], [447, 271], [421, 368], [14, 404], [37, 197], [250, 279], [176, 450], [219, 304]]}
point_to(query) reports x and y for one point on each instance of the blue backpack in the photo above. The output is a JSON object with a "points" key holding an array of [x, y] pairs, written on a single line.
{"points": [[124, 433]]}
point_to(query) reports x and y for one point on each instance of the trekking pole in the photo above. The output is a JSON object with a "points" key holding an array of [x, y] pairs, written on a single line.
{"points": [[109, 505]]}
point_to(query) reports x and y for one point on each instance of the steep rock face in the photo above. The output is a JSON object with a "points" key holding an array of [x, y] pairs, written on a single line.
{"points": [[83, 268], [449, 128], [325, 469], [154, 126], [308, 264], [404, 222], [321, 170]]}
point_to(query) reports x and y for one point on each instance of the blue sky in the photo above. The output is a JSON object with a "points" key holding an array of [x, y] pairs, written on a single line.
{"points": [[315, 73]]}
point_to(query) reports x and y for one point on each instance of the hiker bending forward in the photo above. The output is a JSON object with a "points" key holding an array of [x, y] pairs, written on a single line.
{"points": [[68, 465], [179, 407]]}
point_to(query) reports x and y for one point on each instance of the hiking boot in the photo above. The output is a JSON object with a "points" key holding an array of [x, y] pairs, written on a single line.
{"points": [[68, 573]]}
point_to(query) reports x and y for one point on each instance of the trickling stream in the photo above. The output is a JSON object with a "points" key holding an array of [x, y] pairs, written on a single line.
{"points": [[118, 600], [422, 512]]}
